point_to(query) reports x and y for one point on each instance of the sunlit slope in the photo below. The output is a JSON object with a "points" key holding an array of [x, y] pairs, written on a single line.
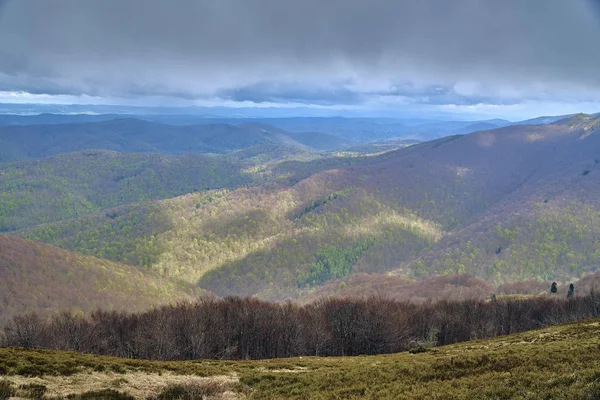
{"points": [[77, 184], [38, 278]]}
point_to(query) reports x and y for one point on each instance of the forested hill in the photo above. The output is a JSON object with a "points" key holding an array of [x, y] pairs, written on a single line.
{"points": [[73, 185], [76, 184], [18, 142], [515, 203], [38, 278]]}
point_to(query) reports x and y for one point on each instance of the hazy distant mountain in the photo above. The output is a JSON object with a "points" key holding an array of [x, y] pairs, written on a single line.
{"points": [[542, 120], [314, 140], [346, 129], [45, 119], [132, 135]]}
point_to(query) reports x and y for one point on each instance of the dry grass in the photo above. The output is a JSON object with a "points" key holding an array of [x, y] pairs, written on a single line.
{"points": [[140, 385]]}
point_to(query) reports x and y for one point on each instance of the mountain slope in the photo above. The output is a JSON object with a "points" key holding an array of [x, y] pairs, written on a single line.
{"points": [[429, 209], [76, 184], [44, 279], [72, 185]]}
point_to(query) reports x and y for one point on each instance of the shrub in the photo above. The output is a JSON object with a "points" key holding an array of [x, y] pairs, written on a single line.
{"points": [[106, 394], [418, 350]]}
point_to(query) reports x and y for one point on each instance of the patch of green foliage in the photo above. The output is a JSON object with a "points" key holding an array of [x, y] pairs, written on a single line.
{"points": [[321, 202], [334, 262], [74, 185], [557, 243]]}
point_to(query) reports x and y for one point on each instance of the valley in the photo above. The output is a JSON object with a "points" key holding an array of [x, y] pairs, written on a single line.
{"points": [[266, 199], [514, 204]]}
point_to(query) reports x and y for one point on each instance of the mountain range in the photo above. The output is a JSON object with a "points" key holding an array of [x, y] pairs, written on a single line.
{"points": [[278, 221], [345, 129], [20, 142]]}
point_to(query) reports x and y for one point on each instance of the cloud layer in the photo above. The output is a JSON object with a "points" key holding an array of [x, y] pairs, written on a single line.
{"points": [[369, 52]]}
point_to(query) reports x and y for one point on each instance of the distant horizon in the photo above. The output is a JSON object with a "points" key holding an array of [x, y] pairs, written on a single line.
{"points": [[259, 111]]}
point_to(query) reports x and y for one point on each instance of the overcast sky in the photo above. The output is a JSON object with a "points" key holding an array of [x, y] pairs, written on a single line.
{"points": [[507, 58]]}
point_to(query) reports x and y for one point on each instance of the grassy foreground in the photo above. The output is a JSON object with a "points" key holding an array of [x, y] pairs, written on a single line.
{"points": [[561, 362]]}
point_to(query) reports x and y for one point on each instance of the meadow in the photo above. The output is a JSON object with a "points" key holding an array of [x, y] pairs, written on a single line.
{"points": [[560, 362]]}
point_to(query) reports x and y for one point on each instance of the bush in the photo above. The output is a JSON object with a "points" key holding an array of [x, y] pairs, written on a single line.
{"points": [[106, 394], [418, 350]]}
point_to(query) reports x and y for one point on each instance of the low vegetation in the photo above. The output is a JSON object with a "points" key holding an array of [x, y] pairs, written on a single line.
{"points": [[556, 362]]}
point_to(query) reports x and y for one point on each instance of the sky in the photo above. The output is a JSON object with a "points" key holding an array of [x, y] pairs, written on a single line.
{"points": [[472, 58]]}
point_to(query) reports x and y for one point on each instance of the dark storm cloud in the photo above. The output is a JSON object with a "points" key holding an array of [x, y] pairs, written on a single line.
{"points": [[300, 51]]}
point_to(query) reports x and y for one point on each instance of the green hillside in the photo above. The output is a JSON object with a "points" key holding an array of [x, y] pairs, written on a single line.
{"points": [[77, 184], [559, 362]]}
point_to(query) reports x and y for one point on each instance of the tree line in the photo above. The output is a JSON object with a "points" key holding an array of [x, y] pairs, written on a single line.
{"points": [[248, 328]]}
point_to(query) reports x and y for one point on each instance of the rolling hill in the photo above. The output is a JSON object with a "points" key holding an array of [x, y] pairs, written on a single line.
{"points": [[76, 184], [38, 278], [72, 185], [515, 203]]}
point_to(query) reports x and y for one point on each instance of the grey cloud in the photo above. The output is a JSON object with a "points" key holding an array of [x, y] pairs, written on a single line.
{"points": [[299, 51], [292, 92]]}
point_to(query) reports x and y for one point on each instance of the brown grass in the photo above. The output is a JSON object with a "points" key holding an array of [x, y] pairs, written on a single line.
{"points": [[140, 385]]}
